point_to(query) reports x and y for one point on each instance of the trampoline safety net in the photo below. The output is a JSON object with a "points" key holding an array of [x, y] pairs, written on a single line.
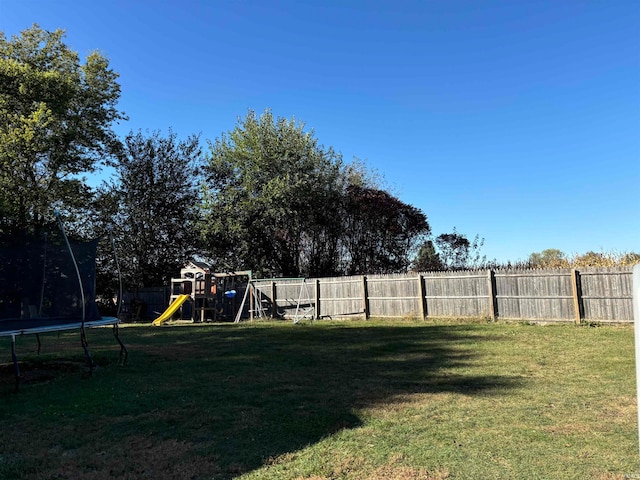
{"points": [[39, 285]]}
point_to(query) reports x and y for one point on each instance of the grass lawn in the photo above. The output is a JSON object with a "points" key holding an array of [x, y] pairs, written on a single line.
{"points": [[325, 400]]}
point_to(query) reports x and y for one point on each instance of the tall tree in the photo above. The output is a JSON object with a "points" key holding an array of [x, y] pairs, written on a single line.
{"points": [[154, 205], [428, 259], [56, 115], [456, 251], [381, 232], [273, 198]]}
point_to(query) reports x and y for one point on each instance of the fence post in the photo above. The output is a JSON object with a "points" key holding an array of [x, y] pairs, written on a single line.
{"points": [[365, 297], [576, 295], [317, 298], [491, 284], [274, 303], [423, 300]]}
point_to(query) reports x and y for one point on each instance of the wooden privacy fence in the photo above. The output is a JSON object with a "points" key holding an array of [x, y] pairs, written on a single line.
{"points": [[145, 303], [559, 295]]}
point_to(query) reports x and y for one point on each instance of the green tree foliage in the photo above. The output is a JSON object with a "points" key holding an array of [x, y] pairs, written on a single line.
{"points": [[55, 125], [451, 251], [154, 207], [457, 252], [428, 259], [273, 199], [280, 204], [549, 258]]}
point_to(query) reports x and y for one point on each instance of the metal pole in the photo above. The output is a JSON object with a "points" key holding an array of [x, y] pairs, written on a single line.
{"points": [[83, 336], [75, 264], [44, 275], [115, 256]]}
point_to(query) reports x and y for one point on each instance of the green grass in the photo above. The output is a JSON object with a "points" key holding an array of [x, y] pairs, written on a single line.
{"points": [[329, 400]]}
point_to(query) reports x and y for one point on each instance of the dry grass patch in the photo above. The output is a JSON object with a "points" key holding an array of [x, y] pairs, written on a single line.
{"points": [[394, 470]]}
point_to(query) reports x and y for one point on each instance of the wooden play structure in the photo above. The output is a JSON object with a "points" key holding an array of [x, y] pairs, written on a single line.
{"points": [[200, 295]]}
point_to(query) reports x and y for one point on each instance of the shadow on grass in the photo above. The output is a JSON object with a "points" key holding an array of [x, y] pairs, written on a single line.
{"points": [[265, 392], [243, 395]]}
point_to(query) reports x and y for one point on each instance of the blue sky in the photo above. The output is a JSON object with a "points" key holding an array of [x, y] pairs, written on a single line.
{"points": [[518, 121]]}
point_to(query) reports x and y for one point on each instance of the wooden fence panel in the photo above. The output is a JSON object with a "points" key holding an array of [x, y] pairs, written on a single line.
{"points": [[535, 295], [262, 301], [341, 296], [607, 294], [457, 294], [151, 302], [562, 295], [288, 293], [394, 296]]}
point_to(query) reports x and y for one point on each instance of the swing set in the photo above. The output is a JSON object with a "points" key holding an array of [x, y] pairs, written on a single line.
{"points": [[280, 298]]}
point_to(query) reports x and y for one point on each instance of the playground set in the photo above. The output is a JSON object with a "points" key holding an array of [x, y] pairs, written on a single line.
{"points": [[201, 296]]}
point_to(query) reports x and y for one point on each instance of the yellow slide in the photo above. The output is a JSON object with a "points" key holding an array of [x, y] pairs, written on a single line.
{"points": [[168, 313]]}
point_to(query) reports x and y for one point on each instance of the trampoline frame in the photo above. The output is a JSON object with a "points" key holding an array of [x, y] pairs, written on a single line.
{"points": [[9, 330]]}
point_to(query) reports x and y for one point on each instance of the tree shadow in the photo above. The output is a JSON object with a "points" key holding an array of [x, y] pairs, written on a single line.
{"points": [[260, 393]]}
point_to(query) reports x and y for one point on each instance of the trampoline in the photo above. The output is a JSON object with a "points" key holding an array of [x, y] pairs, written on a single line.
{"points": [[47, 284]]}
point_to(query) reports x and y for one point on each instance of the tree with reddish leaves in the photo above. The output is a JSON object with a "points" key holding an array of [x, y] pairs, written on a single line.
{"points": [[381, 232]]}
